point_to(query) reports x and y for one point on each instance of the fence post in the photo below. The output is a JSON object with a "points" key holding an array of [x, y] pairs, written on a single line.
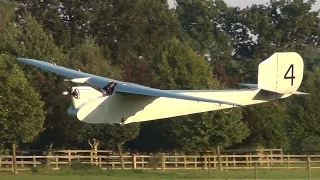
{"points": [[142, 162], [227, 162], [205, 162], [309, 167], [271, 154], [281, 151], [219, 158], [175, 159], [100, 161], [209, 164], [256, 170], [57, 162], [14, 159], [163, 161], [34, 161], [289, 166], [91, 157], [134, 161], [268, 161], [247, 160], [69, 154]]}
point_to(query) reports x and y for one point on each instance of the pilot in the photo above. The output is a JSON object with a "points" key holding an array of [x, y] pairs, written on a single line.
{"points": [[104, 92], [108, 89]]}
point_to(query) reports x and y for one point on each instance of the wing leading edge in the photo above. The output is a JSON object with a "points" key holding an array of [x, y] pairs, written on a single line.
{"points": [[121, 87]]}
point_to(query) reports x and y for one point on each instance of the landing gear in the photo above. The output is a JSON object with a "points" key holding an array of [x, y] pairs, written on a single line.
{"points": [[226, 112], [122, 122], [275, 103]]}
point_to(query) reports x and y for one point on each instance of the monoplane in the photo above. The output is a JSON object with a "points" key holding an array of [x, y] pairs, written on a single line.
{"points": [[103, 100]]}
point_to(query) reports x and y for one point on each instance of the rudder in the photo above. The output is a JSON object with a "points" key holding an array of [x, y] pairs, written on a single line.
{"points": [[282, 73]]}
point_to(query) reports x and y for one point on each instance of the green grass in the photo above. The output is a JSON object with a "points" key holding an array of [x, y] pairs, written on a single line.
{"points": [[97, 174]]}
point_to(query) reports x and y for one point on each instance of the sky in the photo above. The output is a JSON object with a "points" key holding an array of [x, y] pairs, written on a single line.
{"points": [[245, 3]]}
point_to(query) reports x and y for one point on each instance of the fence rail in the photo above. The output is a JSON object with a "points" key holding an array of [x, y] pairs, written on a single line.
{"points": [[163, 161]]}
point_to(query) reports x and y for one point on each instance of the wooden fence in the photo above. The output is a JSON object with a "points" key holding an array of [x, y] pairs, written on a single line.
{"points": [[161, 161]]}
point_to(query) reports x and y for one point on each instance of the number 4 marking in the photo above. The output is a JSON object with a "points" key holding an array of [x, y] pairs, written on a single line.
{"points": [[289, 75]]}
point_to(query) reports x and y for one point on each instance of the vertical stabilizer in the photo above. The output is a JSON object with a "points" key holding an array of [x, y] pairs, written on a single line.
{"points": [[281, 73]]}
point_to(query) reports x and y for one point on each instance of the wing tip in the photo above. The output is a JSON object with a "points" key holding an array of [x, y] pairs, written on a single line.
{"points": [[26, 60], [21, 59]]}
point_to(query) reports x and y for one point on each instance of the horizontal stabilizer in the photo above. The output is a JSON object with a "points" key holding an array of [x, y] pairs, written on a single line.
{"points": [[300, 93], [254, 86], [293, 93]]}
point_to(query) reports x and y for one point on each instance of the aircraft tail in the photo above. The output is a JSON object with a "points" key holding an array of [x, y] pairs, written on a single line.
{"points": [[281, 73]]}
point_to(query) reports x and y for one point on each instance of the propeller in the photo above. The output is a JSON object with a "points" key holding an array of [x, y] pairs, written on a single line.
{"points": [[74, 92]]}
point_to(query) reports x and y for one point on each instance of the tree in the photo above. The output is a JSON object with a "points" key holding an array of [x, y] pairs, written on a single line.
{"points": [[33, 42], [177, 66], [260, 30], [88, 57], [8, 32], [303, 122], [12, 45], [267, 123], [21, 110], [67, 21], [199, 21], [279, 26], [116, 136], [130, 32]]}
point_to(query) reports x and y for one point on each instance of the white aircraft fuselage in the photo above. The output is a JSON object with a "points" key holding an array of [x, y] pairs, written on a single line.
{"points": [[137, 108]]}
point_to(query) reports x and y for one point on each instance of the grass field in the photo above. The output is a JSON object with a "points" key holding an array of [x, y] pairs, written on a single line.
{"points": [[97, 174]]}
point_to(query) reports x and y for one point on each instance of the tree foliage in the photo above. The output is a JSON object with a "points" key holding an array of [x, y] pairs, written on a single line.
{"points": [[177, 66], [267, 124], [198, 45], [304, 111], [21, 110]]}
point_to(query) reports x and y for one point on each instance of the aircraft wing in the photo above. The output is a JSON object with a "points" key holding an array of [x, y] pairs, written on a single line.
{"points": [[121, 87]]}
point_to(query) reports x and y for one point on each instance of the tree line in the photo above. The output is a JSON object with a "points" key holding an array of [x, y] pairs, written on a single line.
{"points": [[197, 45]]}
